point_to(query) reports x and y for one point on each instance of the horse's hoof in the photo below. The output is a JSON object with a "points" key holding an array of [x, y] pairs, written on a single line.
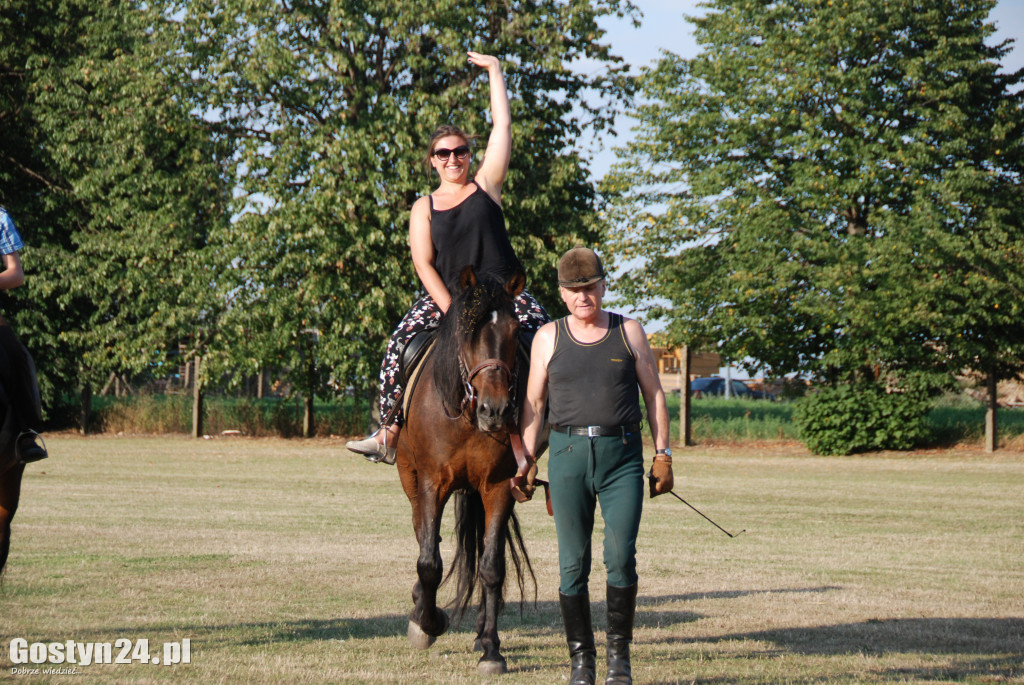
{"points": [[419, 639], [492, 667]]}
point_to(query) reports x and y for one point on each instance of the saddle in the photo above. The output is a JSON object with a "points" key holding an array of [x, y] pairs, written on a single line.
{"points": [[408, 370], [414, 353]]}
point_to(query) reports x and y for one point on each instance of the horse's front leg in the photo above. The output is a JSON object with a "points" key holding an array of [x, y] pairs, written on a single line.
{"points": [[10, 493], [427, 621], [498, 505]]}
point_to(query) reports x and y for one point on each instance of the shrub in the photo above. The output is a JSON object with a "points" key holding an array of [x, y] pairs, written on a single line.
{"points": [[859, 418]]}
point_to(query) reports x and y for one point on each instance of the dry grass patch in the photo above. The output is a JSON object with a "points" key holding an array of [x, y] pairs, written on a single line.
{"points": [[293, 562]]}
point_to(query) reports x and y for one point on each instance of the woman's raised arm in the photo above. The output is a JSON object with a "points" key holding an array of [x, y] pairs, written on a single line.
{"points": [[491, 174]]}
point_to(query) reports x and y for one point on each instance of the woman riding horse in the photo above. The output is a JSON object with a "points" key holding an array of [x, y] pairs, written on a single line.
{"points": [[461, 223]]}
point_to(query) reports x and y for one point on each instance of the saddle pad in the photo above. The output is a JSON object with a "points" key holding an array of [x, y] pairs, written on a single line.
{"points": [[414, 377]]}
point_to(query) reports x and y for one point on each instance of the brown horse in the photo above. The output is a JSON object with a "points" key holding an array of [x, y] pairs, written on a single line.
{"points": [[457, 440], [10, 492], [11, 466]]}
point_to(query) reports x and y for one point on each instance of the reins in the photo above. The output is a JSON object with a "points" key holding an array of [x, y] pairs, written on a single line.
{"points": [[523, 462]]}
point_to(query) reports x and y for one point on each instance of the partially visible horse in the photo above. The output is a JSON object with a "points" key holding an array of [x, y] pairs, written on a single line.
{"points": [[11, 466], [461, 416], [10, 493]]}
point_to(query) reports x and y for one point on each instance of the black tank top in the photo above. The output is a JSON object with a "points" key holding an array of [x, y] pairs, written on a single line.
{"points": [[593, 384], [472, 232]]}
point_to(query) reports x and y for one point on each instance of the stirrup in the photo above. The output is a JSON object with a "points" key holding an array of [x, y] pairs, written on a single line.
{"points": [[35, 452]]}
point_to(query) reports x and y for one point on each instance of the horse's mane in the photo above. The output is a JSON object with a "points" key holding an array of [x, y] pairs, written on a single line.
{"points": [[469, 309]]}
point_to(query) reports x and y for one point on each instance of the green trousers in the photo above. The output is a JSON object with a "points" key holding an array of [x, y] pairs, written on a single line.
{"points": [[584, 472]]}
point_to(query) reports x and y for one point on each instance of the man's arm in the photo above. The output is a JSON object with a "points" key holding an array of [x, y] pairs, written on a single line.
{"points": [[650, 384], [662, 480], [537, 387], [12, 276]]}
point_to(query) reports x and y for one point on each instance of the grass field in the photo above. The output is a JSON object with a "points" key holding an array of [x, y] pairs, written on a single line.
{"points": [[292, 562]]}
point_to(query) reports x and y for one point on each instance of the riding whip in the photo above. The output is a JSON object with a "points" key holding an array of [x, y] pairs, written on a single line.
{"points": [[671, 492]]}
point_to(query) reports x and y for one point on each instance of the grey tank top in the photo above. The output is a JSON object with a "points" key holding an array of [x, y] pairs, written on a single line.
{"points": [[593, 384]]}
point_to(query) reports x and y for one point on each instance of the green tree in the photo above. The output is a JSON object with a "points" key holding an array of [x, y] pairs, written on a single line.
{"points": [[831, 187], [329, 105], [115, 183]]}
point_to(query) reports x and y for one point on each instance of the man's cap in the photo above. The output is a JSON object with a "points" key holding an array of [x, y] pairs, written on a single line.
{"points": [[579, 267]]}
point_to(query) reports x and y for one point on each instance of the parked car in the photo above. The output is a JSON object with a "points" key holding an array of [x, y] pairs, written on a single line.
{"points": [[715, 386]]}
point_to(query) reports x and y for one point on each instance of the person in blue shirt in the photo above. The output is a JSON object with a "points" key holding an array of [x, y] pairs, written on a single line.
{"points": [[17, 372]]}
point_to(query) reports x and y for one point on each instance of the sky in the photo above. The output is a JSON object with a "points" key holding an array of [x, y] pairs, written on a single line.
{"points": [[663, 27]]}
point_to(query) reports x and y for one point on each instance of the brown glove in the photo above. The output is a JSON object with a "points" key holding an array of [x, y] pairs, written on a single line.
{"points": [[661, 480]]}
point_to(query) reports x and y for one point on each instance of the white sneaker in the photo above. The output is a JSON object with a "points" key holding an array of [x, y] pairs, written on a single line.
{"points": [[372, 450]]}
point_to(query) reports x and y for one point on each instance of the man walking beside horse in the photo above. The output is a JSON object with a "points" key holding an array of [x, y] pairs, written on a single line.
{"points": [[590, 368]]}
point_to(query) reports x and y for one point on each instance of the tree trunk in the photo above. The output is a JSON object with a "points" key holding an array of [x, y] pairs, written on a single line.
{"points": [[197, 401], [991, 440], [685, 432]]}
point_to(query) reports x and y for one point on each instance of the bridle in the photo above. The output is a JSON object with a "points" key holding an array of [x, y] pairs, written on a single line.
{"points": [[470, 397]]}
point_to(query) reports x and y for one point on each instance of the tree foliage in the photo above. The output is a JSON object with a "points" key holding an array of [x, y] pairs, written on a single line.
{"points": [[831, 186], [113, 181], [328, 107], [237, 176]]}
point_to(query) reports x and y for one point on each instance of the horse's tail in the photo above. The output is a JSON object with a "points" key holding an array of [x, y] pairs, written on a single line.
{"points": [[469, 548]]}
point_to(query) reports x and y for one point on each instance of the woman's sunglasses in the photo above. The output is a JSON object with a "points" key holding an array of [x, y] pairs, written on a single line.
{"points": [[444, 153]]}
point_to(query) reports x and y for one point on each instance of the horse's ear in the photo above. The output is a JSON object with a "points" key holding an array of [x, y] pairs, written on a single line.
{"points": [[467, 279], [516, 284]]}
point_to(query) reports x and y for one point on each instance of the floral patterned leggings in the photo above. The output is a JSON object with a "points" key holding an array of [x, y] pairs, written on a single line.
{"points": [[425, 315]]}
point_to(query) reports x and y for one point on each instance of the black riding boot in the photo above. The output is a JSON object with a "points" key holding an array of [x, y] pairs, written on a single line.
{"points": [[621, 610], [579, 635]]}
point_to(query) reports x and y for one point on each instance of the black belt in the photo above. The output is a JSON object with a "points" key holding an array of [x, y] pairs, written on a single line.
{"points": [[594, 431]]}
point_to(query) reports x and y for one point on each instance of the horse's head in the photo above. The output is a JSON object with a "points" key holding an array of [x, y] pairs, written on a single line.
{"points": [[486, 337]]}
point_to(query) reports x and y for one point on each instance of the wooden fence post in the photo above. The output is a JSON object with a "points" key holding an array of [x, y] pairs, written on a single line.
{"points": [[991, 439], [685, 433], [85, 408], [197, 401]]}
